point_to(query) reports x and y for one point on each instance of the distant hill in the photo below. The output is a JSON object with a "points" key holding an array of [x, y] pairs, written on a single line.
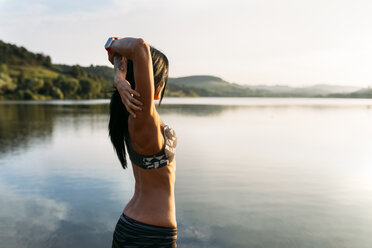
{"points": [[363, 93], [32, 76], [204, 85], [310, 91], [328, 89], [207, 86]]}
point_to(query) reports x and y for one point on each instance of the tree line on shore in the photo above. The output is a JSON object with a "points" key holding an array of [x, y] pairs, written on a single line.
{"points": [[28, 76], [32, 76]]}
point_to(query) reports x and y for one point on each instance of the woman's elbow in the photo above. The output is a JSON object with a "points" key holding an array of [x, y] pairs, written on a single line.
{"points": [[141, 47]]}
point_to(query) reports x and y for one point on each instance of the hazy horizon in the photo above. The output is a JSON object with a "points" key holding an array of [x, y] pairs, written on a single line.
{"points": [[298, 44]]}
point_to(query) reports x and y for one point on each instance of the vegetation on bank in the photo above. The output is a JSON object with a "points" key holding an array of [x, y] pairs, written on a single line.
{"points": [[363, 93], [32, 76], [29, 76]]}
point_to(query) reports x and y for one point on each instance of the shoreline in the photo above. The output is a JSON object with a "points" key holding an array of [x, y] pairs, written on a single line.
{"points": [[229, 101]]}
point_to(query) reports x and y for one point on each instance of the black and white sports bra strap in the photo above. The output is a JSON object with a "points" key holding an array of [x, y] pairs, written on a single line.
{"points": [[164, 157]]}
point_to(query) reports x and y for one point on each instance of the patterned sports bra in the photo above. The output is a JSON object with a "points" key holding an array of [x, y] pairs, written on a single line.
{"points": [[160, 159]]}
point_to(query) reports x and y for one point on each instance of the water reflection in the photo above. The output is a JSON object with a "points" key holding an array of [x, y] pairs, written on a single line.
{"points": [[68, 217], [21, 125], [247, 176], [28, 219], [28, 124], [196, 110]]}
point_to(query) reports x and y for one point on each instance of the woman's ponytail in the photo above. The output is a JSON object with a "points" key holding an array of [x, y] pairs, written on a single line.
{"points": [[118, 123]]}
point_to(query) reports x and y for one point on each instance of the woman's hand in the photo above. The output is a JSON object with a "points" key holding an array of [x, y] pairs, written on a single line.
{"points": [[110, 56], [127, 94]]}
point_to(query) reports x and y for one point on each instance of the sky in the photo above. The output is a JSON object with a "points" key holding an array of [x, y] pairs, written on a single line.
{"points": [[272, 42]]}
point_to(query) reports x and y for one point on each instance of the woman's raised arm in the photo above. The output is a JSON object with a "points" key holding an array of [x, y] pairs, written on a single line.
{"points": [[145, 130], [138, 51], [127, 94]]}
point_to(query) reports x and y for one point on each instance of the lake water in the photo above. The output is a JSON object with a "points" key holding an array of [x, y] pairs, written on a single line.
{"points": [[251, 172]]}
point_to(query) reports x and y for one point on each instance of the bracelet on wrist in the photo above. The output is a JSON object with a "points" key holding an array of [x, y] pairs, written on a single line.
{"points": [[109, 43]]}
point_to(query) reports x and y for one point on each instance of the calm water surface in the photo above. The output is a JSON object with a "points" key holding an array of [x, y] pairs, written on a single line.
{"points": [[250, 173]]}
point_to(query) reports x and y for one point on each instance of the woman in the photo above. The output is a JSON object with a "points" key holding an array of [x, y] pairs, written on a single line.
{"points": [[141, 74]]}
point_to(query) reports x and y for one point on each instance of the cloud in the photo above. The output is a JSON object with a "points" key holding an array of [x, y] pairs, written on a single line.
{"points": [[27, 219]]}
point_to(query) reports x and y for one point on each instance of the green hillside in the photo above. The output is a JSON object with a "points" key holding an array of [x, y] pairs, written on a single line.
{"points": [[32, 76], [28, 76]]}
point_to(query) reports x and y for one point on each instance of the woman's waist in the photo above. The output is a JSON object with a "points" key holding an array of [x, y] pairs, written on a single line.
{"points": [[154, 185], [159, 200], [154, 213], [169, 231]]}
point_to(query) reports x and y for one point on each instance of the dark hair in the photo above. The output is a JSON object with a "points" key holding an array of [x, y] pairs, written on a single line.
{"points": [[118, 123]]}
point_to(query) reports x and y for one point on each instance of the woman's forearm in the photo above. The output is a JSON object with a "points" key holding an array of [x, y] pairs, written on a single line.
{"points": [[127, 47], [119, 69], [138, 51], [119, 66]]}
